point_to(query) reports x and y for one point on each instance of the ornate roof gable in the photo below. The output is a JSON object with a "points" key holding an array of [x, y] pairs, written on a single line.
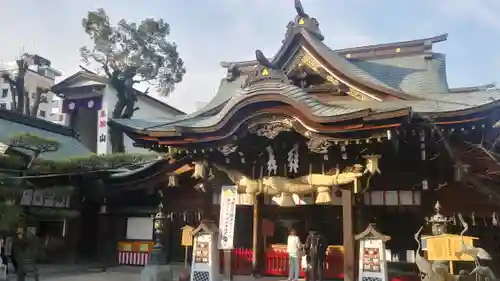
{"points": [[303, 20], [265, 71], [304, 50]]}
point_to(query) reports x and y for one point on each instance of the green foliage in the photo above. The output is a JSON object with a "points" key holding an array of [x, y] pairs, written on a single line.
{"points": [[92, 163], [127, 47], [34, 143], [12, 186], [76, 164]]}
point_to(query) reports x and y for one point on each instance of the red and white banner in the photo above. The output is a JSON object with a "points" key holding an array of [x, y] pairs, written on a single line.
{"points": [[131, 258]]}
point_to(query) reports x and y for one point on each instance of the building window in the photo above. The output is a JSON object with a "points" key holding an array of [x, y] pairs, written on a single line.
{"points": [[5, 93], [3, 105], [42, 113]]}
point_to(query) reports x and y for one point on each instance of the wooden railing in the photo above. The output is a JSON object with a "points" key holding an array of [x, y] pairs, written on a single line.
{"points": [[276, 263]]}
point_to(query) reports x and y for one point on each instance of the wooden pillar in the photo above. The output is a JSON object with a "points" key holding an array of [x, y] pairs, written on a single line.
{"points": [[257, 252], [103, 238], [348, 235], [208, 201], [167, 229]]}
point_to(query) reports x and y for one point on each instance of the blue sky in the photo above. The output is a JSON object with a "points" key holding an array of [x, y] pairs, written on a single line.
{"points": [[210, 31]]}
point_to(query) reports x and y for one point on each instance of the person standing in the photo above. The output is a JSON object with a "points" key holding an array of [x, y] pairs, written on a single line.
{"points": [[315, 248], [293, 248]]}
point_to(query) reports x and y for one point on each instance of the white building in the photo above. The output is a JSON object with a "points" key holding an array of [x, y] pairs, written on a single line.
{"points": [[87, 102], [41, 75]]}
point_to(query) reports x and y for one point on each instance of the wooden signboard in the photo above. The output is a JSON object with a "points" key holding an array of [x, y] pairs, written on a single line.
{"points": [[187, 236], [445, 247]]}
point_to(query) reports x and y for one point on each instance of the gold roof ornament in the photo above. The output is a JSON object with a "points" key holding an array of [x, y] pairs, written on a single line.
{"points": [[265, 71], [304, 21]]}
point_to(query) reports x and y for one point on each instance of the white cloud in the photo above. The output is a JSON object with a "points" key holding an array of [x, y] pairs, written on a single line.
{"points": [[485, 12]]}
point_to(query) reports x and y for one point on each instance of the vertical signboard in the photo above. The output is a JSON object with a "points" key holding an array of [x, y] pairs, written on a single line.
{"points": [[102, 131], [372, 255], [228, 197]]}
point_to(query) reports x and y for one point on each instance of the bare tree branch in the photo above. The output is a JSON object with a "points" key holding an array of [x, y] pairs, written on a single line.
{"points": [[36, 102]]}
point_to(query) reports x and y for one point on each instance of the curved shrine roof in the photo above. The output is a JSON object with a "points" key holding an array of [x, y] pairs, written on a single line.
{"points": [[401, 76]]}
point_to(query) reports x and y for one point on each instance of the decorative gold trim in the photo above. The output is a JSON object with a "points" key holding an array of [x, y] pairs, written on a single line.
{"points": [[367, 95], [357, 94], [303, 58]]}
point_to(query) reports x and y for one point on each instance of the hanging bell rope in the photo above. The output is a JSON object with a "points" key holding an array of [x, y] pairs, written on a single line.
{"points": [[200, 169]]}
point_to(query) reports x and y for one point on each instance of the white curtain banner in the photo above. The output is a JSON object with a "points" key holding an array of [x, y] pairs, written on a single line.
{"points": [[229, 195]]}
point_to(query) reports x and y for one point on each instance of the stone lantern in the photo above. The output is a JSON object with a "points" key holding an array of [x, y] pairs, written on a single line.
{"points": [[157, 268], [157, 254], [438, 222]]}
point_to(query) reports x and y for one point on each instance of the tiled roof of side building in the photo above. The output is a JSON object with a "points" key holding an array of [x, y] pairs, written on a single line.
{"points": [[101, 79], [13, 124]]}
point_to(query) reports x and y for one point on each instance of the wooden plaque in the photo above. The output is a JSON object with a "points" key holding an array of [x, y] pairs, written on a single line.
{"points": [[445, 247], [187, 236]]}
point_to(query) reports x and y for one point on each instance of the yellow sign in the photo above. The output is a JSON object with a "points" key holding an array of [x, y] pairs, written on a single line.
{"points": [[144, 248], [187, 237], [301, 21], [447, 247], [127, 247]]}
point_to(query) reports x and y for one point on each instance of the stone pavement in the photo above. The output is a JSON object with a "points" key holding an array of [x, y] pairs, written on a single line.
{"points": [[110, 275], [127, 273]]}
